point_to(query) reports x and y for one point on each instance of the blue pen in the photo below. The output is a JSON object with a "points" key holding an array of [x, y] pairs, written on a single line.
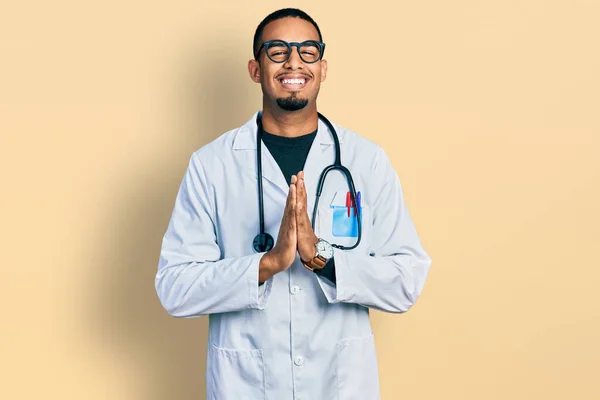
{"points": [[358, 201]]}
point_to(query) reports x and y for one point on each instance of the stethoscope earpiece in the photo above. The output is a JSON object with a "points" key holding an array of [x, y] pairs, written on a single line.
{"points": [[263, 242]]}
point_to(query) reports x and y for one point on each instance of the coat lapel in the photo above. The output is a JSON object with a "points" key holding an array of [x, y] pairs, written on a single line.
{"points": [[244, 151], [321, 155]]}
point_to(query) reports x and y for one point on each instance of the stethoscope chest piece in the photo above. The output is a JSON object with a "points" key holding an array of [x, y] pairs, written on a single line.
{"points": [[263, 242]]}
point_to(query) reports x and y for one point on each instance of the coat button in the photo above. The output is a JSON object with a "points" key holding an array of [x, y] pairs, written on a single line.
{"points": [[299, 361], [294, 289]]}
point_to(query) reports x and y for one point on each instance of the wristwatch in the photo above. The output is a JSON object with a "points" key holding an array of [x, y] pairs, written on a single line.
{"points": [[324, 254]]}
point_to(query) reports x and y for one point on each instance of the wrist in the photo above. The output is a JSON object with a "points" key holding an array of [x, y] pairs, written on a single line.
{"points": [[324, 253], [311, 252], [265, 268], [271, 263]]}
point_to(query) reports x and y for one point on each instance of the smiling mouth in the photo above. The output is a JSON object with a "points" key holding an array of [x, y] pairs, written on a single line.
{"points": [[293, 83]]}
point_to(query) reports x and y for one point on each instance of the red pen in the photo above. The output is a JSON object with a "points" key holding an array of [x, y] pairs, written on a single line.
{"points": [[348, 202]]}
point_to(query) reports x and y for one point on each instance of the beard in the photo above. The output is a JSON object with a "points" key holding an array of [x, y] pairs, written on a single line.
{"points": [[292, 103]]}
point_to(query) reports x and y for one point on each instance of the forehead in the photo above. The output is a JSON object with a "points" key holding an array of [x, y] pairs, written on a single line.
{"points": [[290, 29]]}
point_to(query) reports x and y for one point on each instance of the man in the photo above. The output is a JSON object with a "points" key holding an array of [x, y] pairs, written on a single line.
{"points": [[291, 322]]}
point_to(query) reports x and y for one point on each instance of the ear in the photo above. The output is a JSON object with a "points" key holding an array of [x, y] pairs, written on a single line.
{"points": [[323, 70], [254, 70]]}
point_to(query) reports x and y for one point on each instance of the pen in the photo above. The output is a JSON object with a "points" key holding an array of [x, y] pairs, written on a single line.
{"points": [[348, 202]]}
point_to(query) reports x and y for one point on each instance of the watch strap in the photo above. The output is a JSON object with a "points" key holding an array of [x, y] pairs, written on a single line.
{"points": [[317, 263]]}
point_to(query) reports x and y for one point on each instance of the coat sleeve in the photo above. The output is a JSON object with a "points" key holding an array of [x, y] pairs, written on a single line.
{"points": [[192, 279], [391, 276]]}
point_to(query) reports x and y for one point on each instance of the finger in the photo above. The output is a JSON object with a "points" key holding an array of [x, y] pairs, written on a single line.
{"points": [[289, 207], [289, 203], [301, 190], [303, 217], [294, 179], [299, 184], [292, 214], [299, 209], [304, 188], [293, 190]]}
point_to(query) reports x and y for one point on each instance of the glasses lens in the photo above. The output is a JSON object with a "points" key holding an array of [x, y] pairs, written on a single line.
{"points": [[278, 51], [310, 51]]}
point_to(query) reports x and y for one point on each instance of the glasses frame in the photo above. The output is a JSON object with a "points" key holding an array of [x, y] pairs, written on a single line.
{"points": [[268, 43]]}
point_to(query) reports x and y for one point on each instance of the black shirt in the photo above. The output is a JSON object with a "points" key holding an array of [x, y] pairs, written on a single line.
{"points": [[290, 154]]}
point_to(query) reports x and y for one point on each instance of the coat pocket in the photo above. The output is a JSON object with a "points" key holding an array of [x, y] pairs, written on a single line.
{"points": [[338, 224], [235, 374], [357, 371]]}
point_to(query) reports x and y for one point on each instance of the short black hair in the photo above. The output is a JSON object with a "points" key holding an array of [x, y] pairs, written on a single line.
{"points": [[279, 14]]}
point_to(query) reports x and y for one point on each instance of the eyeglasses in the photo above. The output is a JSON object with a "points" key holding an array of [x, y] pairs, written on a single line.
{"points": [[279, 51]]}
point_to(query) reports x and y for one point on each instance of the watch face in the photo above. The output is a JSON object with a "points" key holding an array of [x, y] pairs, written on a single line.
{"points": [[324, 249]]}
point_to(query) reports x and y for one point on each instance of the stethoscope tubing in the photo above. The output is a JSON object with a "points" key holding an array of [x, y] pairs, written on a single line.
{"points": [[264, 241]]}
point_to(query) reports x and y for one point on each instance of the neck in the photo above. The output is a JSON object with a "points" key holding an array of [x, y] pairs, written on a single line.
{"points": [[290, 123]]}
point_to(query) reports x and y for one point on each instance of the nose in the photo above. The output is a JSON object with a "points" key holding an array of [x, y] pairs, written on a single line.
{"points": [[294, 62]]}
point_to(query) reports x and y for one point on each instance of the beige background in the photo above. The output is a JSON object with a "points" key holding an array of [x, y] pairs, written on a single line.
{"points": [[488, 109]]}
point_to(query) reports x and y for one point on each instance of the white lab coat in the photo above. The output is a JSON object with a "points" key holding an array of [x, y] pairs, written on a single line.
{"points": [[297, 336]]}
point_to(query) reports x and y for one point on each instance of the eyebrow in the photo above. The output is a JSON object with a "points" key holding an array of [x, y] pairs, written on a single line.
{"points": [[276, 44]]}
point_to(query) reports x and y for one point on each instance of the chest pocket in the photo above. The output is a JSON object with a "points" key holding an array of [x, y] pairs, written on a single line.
{"points": [[338, 224]]}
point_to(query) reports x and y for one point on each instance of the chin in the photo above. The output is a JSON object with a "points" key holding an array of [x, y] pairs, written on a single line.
{"points": [[292, 103]]}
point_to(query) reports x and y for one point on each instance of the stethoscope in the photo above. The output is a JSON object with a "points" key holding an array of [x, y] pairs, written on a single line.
{"points": [[263, 241]]}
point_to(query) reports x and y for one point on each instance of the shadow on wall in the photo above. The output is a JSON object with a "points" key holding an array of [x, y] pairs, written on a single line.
{"points": [[167, 355]]}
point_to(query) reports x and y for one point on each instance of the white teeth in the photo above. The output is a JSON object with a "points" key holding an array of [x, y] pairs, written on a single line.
{"points": [[294, 81]]}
